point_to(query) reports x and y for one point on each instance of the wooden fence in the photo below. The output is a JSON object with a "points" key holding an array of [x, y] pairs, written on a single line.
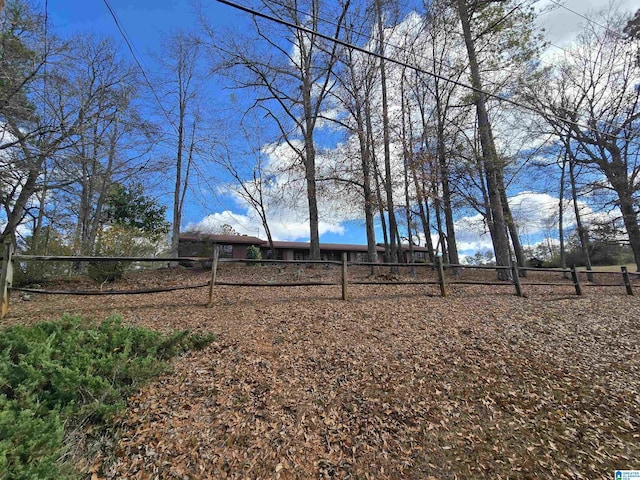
{"points": [[512, 273]]}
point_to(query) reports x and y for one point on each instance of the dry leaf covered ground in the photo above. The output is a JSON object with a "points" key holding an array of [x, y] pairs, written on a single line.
{"points": [[394, 383]]}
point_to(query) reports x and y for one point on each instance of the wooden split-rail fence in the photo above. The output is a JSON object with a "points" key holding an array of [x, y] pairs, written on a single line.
{"points": [[512, 273]]}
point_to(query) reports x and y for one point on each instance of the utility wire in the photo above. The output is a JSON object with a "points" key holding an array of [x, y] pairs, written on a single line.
{"points": [[135, 58], [386, 43], [416, 55], [590, 20], [412, 67], [403, 49]]}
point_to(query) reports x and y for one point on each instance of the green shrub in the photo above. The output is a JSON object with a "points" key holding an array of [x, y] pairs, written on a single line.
{"points": [[66, 373], [102, 272], [30, 443], [253, 253]]}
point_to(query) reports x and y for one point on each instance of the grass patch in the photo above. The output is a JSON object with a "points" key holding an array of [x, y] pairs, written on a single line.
{"points": [[55, 376]]}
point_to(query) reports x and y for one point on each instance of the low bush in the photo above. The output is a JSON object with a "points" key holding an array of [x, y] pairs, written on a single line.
{"points": [[102, 272], [253, 253], [55, 376]]}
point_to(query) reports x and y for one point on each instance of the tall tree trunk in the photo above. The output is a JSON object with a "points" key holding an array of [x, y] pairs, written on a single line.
{"points": [[513, 230], [388, 183], [423, 212], [482, 185], [177, 213], [452, 247], [96, 220], [383, 220], [434, 167], [582, 231], [423, 200], [616, 172], [376, 176], [309, 147], [38, 246], [492, 165], [312, 201], [181, 58], [563, 256], [365, 155], [407, 149], [442, 236], [372, 254]]}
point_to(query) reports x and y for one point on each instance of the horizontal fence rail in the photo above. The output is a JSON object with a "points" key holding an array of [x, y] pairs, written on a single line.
{"points": [[446, 275], [138, 291], [63, 258]]}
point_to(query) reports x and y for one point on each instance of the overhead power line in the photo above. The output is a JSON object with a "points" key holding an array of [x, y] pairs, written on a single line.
{"points": [[415, 55], [590, 20], [139, 64], [401, 63], [386, 43]]}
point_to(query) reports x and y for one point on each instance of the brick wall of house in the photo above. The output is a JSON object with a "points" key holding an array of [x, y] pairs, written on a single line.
{"points": [[240, 251]]}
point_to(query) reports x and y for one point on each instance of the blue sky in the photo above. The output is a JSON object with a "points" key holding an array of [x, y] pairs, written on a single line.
{"points": [[147, 23]]}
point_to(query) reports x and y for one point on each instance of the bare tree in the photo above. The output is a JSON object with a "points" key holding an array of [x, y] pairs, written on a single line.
{"points": [[394, 243], [443, 56], [291, 85], [180, 84], [111, 139], [582, 230], [592, 104], [28, 137], [355, 77], [491, 161], [251, 179]]}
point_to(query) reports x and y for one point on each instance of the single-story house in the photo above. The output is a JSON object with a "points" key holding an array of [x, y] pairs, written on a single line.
{"points": [[235, 246], [201, 245], [535, 262]]}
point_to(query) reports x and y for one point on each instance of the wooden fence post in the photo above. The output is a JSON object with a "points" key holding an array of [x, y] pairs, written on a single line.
{"points": [[443, 288], [576, 280], [516, 279], [214, 272], [6, 276], [344, 275], [627, 280]]}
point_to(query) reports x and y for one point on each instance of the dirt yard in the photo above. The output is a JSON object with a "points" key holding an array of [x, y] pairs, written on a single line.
{"points": [[395, 383]]}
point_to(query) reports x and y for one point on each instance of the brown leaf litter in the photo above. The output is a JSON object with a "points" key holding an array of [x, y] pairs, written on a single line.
{"points": [[395, 383]]}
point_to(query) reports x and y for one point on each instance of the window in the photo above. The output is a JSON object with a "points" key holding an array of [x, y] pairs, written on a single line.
{"points": [[362, 257], [333, 256], [419, 255], [226, 251], [276, 255]]}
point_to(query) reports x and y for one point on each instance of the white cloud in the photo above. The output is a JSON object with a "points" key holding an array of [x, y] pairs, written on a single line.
{"points": [[561, 24], [281, 227], [213, 223], [536, 216]]}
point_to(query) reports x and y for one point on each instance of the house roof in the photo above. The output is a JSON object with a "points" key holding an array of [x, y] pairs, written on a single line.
{"points": [[223, 239], [323, 246], [338, 247], [249, 240]]}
